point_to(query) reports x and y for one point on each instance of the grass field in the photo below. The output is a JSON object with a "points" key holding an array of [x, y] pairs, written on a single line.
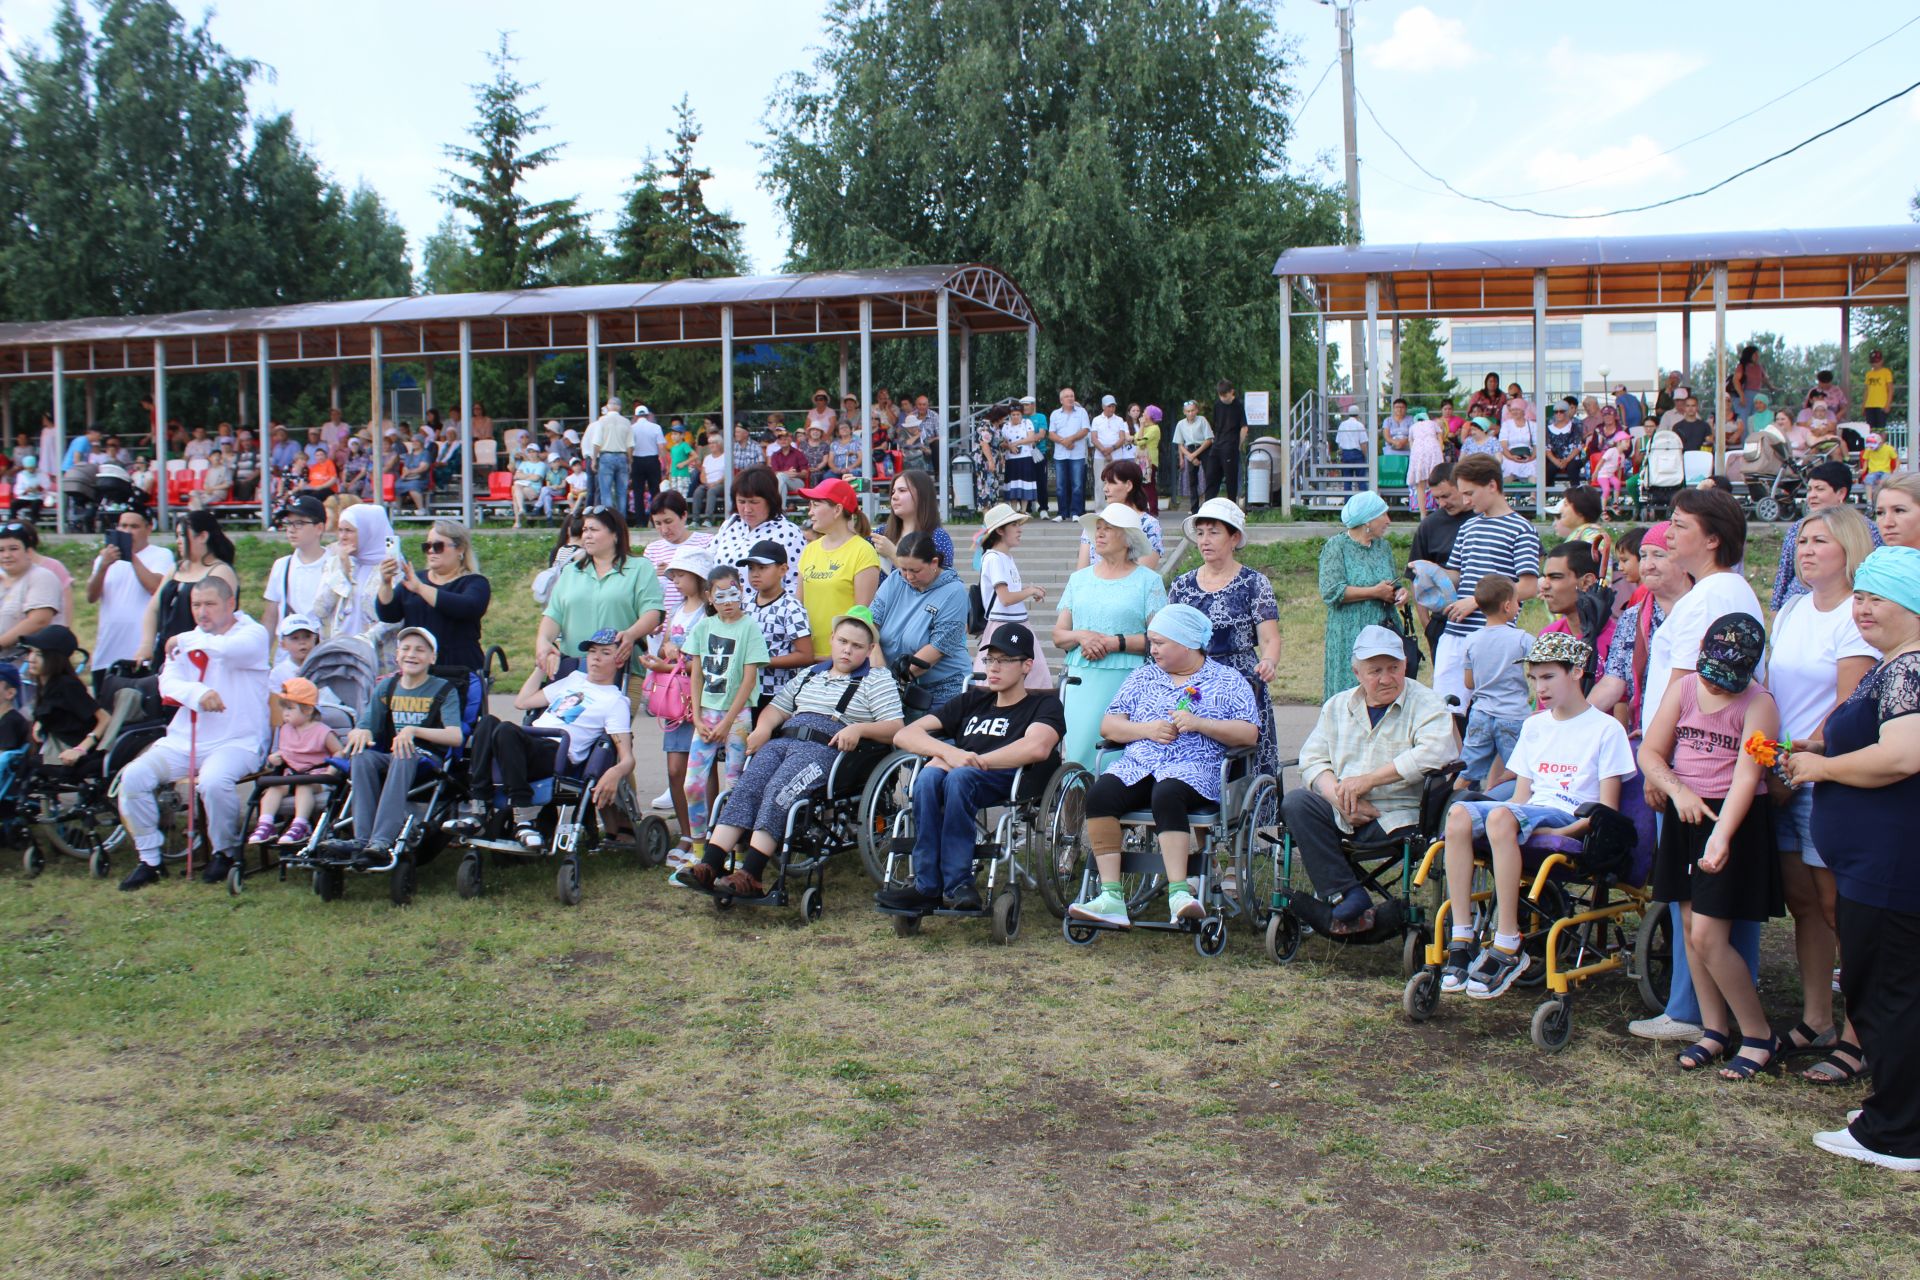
{"points": [[270, 1086]]}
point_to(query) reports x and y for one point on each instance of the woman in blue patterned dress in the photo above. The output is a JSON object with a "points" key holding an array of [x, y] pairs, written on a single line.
{"points": [[1240, 603], [1179, 716]]}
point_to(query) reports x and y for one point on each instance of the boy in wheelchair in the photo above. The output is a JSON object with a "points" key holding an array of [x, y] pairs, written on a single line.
{"points": [[410, 711], [1177, 717], [820, 713], [1569, 755], [991, 733]]}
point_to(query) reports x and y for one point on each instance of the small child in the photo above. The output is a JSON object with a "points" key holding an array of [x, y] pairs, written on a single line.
{"points": [[1716, 856], [688, 572], [302, 746], [1496, 673], [782, 620], [1610, 477], [577, 482], [680, 465], [1569, 754], [299, 634], [727, 653], [1877, 461], [15, 732], [1578, 517]]}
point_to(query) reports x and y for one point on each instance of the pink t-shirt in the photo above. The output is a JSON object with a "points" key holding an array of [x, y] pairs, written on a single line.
{"points": [[1706, 744], [303, 746]]}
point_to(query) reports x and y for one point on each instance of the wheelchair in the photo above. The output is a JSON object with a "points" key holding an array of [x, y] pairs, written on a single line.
{"points": [[1585, 911], [1013, 844], [1386, 869], [1229, 839], [71, 811], [438, 788]]}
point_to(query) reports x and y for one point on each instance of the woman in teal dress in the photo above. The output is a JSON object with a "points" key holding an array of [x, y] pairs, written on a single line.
{"points": [[1102, 624], [1358, 583]]}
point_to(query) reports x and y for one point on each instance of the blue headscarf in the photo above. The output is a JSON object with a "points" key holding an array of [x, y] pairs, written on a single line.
{"points": [[1892, 573], [1184, 625], [1362, 508]]}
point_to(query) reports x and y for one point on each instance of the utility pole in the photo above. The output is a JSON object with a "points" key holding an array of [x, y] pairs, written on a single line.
{"points": [[1343, 23]]}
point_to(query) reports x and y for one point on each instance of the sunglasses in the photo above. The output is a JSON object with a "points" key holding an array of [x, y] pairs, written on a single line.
{"points": [[435, 547], [596, 511]]}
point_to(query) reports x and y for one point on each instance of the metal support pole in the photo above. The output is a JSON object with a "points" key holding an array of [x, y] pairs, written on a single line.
{"points": [[844, 375], [1372, 389], [1396, 357], [427, 400], [593, 369], [1686, 348], [1033, 361], [965, 429], [1723, 408], [1539, 389], [866, 401], [533, 397], [946, 441], [1286, 401], [1844, 374], [726, 400], [377, 373], [263, 385], [159, 417], [1913, 363], [333, 390], [52, 466], [1321, 419], [466, 423], [91, 409], [6, 416]]}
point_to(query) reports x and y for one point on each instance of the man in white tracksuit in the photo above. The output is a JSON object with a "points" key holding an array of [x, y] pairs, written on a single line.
{"points": [[229, 742]]}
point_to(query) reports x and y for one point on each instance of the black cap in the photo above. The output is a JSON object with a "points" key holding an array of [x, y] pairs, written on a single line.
{"points": [[765, 551], [306, 509], [54, 639], [1015, 639]]}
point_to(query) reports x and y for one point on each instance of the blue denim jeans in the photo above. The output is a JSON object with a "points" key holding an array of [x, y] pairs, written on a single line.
{"points": [[1073, 487], [944, 806], [613, 480], [1349, 459]]}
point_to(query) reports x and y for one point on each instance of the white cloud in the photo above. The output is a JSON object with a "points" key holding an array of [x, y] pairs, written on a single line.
{"points": [[1423, 40], [1629, 78], [1630, 165]]}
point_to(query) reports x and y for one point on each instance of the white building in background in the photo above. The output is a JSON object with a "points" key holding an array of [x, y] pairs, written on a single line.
{"points": [[1584, 354]]}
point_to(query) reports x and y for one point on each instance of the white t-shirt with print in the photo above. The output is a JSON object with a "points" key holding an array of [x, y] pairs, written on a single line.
{"points": [[1566, 760], [1677, 642], [585, 710], [1801, 656]]}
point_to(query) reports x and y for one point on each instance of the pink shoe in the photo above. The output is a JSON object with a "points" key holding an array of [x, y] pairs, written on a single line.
{"points": [[297, 833], [262, 833]]}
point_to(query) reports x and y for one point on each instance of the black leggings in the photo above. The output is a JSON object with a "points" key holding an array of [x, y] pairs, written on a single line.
{"points": [[524, 758], [1171, 800]]}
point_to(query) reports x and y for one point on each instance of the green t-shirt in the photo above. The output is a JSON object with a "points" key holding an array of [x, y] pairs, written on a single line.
{"points": [[721, 652], [679, 456], [433, 704], [584, 602]]}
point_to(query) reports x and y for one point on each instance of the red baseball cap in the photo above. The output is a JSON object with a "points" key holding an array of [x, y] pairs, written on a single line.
{"points": [[836, 491]]}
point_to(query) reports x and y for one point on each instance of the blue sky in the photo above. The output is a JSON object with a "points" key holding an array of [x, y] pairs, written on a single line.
{"points": [[1501, 97]]}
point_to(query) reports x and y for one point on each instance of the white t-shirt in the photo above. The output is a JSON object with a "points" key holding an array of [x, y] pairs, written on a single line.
{"points": [[585, 710], [1192, 434], [648, 438], [713, 468], [1566, 760], [294, 585], [1677, 642], [1351, 434], [123, 604], [996, 567], [1799, 670], [1109, 432]]}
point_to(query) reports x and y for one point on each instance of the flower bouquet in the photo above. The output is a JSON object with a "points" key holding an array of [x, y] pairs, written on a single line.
{"points": [[1771, 755]]}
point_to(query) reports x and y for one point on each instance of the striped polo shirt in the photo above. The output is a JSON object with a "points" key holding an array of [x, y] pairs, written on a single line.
{"points": [[1491, 544]]}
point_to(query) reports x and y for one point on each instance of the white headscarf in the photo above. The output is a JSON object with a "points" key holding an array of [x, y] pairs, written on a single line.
{"points": [[373, 528]]}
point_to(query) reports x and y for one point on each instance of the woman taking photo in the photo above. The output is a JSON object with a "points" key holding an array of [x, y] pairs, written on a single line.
{"points": [[447, 601], [912, 507], [205, 551], [1867, 784], [1102, 624], [1816, 659], [756, 516], [1240, 604], [346, 603], [1121, 482], [1357, 583], [840, 568]]}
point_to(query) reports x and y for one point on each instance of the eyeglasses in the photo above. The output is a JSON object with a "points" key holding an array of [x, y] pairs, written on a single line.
{"points": [[435, 547], [998, 660]]}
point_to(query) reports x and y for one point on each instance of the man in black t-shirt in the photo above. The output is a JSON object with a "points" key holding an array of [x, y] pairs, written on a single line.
{"points": [[1433, 540], [1221, 464], [989, 733]]}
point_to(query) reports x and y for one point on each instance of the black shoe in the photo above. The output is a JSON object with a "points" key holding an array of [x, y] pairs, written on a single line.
{"points": [[339, 849], [907, 899], [966, 898], [215, 872], [140, 877]]}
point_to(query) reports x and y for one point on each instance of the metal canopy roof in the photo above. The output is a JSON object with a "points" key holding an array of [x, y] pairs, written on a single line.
{"points": [[818, 306], [1829, 267]]}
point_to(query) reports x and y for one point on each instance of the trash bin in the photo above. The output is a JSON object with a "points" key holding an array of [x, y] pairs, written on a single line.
{"points": [[1263, 465], [963, 482]]}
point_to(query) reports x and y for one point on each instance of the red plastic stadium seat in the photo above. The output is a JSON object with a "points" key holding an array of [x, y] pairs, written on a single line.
{"points": [[500, 486]]}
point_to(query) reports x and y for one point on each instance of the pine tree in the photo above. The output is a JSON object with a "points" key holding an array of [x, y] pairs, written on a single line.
{"points": [[1424, 379]]}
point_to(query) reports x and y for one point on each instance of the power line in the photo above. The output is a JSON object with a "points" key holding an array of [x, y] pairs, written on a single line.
{"points": [[1641, 208], [1302, 110], [1721, 128]]}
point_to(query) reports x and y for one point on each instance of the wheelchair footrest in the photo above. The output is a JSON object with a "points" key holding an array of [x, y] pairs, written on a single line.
{"points": [[1389, 919]]}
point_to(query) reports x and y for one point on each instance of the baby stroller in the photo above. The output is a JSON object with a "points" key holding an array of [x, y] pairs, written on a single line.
{"points": [[1775, 482], [1664, 475], [81, 496]]}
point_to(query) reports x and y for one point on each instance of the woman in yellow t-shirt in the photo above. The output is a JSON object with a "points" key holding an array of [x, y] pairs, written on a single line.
{"points": [[839, 568]]}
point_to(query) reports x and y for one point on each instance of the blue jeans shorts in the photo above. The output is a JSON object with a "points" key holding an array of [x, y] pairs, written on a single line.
{"points": [[1793, 826], [1486, 736], [1532, 816]]}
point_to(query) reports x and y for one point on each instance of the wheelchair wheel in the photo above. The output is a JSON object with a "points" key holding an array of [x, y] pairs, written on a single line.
{"points": [[566, 885], [1421, 996], [32, 861], [1210, 940], [1283, 936], [1080, 935], [99, 865], [328, 883], [1653, 956], [401, 881], [886, 812], [1006, 917], [1552, 1025], [80, 836], [468, 879], [1057, 840], [236, 879], [813, 904], [1256, 851], [1413, 953], [653, 839]]}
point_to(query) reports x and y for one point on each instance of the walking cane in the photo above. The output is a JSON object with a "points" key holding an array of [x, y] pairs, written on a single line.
{"points": [[198, 657]]}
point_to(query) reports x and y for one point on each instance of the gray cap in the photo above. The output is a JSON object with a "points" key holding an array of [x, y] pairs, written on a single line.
{"points": [[1378, 642]]}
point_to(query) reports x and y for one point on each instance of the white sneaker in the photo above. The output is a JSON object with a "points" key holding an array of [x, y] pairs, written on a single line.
{"points": [[1841, 1142], [1853, 1115], [1182, 905], [663, 801], [1664, 1028]]}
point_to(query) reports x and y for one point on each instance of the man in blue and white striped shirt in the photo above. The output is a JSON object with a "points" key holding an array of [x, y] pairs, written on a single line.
{"points": [[1497, 539]]}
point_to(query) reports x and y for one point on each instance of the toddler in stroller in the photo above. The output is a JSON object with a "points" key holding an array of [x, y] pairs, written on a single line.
{"points": [[302, 746]]}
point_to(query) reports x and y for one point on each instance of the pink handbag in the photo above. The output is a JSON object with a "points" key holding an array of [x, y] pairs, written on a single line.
{"points": [[670, 695]]}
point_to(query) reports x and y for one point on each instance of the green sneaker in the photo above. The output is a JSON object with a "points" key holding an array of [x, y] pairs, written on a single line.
{"points": [[1108, 908]]}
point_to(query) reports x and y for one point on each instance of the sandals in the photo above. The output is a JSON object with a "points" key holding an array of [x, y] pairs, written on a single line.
{"points": [[1739, 1069], [1832, 1070], [1696, 1056], [1804, 1039], [695, 875]]}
